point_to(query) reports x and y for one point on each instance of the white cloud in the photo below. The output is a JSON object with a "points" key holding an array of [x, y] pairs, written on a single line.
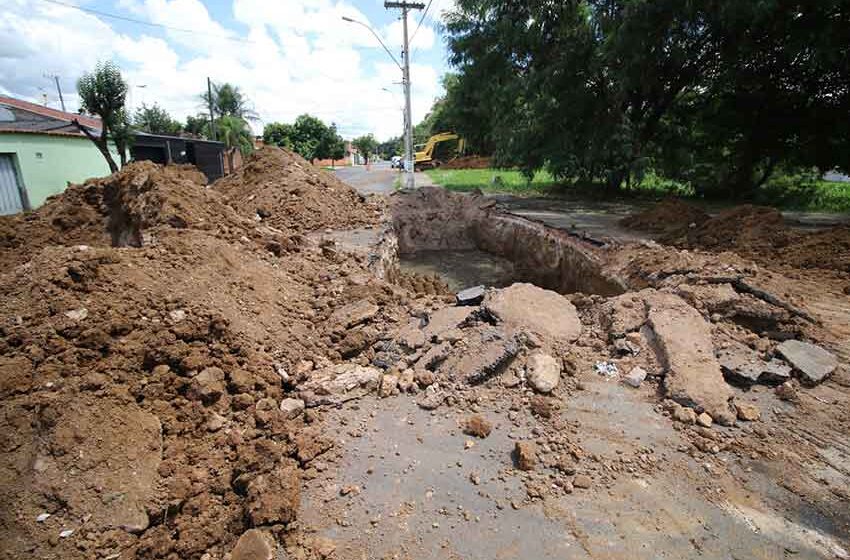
{"points": [[297, 56]]}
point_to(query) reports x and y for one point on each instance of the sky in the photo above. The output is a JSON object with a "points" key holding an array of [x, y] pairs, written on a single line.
{"points": [[288, 56]]}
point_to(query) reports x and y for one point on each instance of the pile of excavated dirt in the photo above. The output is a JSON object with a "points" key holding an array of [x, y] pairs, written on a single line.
{"points": [[146, 389], [755, 232], [283, 190], [469, 162], [670, 216]]}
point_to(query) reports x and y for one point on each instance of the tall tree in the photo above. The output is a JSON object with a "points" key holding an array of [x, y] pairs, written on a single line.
{"points": [[228, 100], [155, 120], [279, 134], [103, 93], [604, 89], [366, 145], [197, 125], [236, 134]]}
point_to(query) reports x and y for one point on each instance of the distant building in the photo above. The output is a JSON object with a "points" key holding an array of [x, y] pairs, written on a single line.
{"points": [[42, 152]]}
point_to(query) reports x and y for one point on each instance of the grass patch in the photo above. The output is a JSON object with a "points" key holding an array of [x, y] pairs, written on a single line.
{"points": [[492, 181], [788, 192]]}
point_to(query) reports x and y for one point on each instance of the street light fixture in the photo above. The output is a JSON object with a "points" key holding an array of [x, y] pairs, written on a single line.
{"points": [[405, 72]]}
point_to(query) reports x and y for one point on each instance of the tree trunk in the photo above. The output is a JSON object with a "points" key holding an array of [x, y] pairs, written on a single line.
{"points": [[101, 143]]}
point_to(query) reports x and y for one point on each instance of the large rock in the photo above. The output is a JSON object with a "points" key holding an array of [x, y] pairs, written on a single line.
{"points": [[486, 359], [813, 363], [254, 544], [543, 372], [274, 497], [541, 311], [685, 349], [339, 383], [354, 313], [742, 365]]}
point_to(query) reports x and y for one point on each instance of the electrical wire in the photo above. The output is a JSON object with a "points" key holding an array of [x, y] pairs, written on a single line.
{"points": [[142, 22], [424, 15]]}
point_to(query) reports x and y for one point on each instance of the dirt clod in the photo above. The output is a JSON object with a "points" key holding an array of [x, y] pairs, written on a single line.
{"points": [[477, 426]]}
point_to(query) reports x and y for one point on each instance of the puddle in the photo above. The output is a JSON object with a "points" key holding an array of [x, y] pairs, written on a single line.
{"points": [[462, 269]]}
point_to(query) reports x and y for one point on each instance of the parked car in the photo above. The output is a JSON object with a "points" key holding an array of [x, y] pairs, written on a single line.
{"points": [[397, 162]]}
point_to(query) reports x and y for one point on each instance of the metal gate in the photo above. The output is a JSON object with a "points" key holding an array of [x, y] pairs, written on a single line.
{"points": [[10, 192]]}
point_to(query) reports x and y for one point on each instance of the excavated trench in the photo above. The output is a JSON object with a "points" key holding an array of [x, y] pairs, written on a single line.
{"points": [[467, 241]]}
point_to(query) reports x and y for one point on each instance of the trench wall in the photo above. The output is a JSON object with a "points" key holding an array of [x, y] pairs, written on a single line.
{"points": [[431, 219]]}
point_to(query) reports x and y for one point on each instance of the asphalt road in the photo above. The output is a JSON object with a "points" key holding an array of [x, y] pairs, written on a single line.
{"points": [[378, 179]]}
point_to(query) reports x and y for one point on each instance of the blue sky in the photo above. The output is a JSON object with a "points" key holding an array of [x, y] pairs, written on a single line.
{"points": [[288, 56]]}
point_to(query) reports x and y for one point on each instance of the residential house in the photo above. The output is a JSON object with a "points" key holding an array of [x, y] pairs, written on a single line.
{"points": [[41, 152]]}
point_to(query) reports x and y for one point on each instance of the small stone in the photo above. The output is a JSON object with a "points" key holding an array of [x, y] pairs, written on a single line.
{"points": [[292, 408], [510, 380], [705, 420], [477, 426], [635, 377], [543, 371], [748, 412], [684, 415], [389, 385], [254, 544], [582, 481], [351, 489], [215, 422], [525, 454], [177, 315], [787, 391], [431, 399], [77, 314], [207, 386], [66, 533], [42, 517]]}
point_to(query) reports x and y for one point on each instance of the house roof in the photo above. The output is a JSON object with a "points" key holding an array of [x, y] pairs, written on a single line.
{"points": [[85, 120]]}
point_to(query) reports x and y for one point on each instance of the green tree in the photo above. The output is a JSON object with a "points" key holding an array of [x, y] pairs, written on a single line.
{"points": [[605, 89], [155, 120], [235, 133], [103, 93], [332, 145], [366, 145], [228, 100], [198, 125], [278, 134]]}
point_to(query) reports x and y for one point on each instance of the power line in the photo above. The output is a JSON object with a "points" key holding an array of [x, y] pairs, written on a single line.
{"points": [[148, 23], [424, 14]]}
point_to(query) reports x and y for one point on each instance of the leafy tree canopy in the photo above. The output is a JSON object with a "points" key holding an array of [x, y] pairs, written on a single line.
{"points": [[308, 136], [103, 92], [715, 92], [155, 120], [366, 145]]}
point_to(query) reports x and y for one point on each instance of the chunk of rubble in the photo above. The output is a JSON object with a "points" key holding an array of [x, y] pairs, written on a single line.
{"points": [[682, 340], [470, 296], [747, 412], [813, 363], [527, 306], [254, 544], [525, 455], [432, 398], [354, 313], [339, 383], [635, 377], [543, 372], [446, 319], [274, 497], [623, 314], [292, 408], [487, 360], [743, 366]]}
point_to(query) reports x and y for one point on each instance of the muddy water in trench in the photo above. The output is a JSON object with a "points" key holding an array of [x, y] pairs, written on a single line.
{"points": [[462, 269]]}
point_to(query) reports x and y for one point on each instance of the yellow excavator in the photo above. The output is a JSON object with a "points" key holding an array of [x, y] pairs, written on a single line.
{"points": [[439, 149]]}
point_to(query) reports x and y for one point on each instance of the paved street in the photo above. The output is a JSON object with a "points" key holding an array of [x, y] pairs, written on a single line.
{"points": [[379, 179]]}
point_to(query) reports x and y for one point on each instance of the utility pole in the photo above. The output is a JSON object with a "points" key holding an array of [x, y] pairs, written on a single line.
{"points": [[58, 89], [210, 100], [408, 122]]}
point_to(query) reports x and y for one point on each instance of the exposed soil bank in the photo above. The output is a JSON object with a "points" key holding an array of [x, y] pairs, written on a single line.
{"points": [[433, 219]]}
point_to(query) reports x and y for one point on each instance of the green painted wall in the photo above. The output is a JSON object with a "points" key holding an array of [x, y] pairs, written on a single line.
{"points": [[47, 163]]}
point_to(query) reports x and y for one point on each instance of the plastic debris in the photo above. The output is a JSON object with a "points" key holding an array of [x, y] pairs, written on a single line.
{"points": [[607, 369]]}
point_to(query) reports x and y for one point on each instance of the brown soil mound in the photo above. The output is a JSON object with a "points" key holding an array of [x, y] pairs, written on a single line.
{"points": [[670, 216], [741, 227], [469, 162], [120, 210], [755, 232], [286, 192], [140, 384]]}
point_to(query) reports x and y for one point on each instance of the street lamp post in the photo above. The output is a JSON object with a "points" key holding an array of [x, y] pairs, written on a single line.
{"points": [[405, 71]]}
